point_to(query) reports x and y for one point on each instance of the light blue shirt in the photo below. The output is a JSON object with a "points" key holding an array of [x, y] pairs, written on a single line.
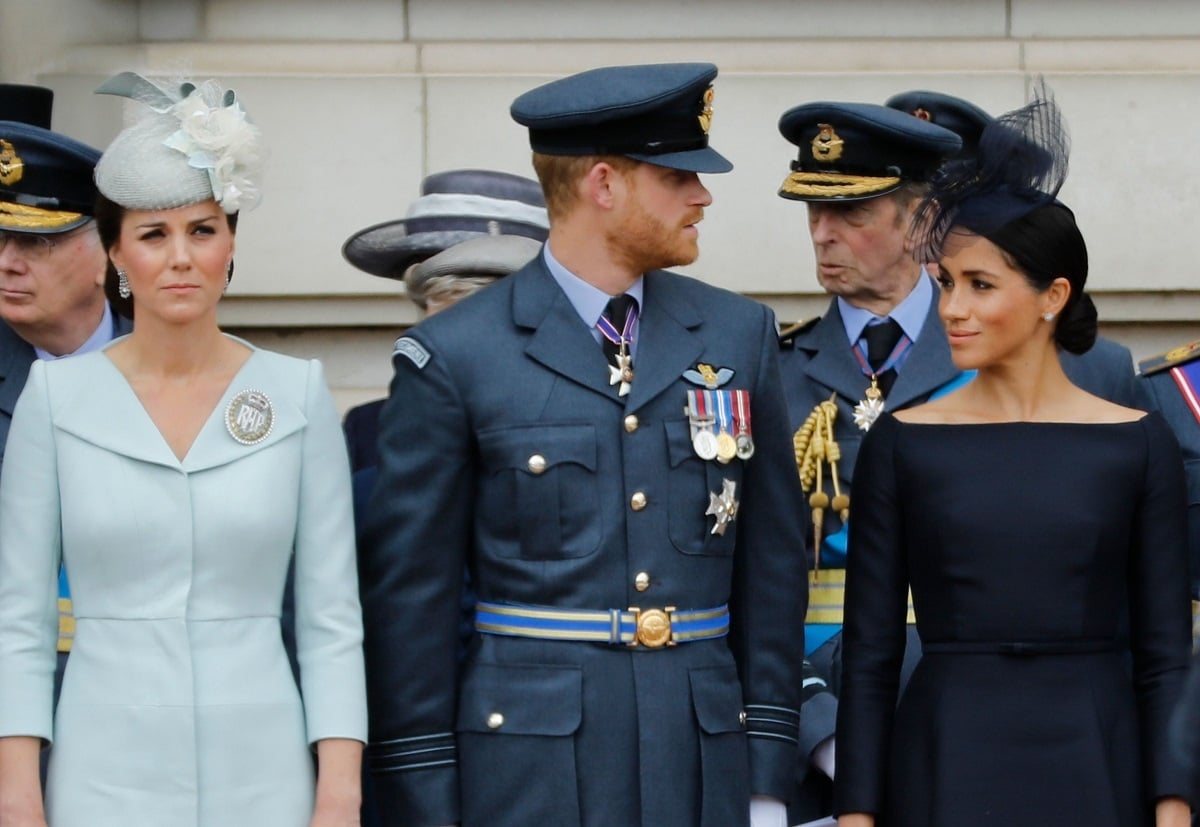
{"points": [[99, 338], [909, 314], [588, 300]]}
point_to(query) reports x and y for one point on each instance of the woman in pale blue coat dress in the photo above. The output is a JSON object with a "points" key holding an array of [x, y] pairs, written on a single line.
{"points": [[176, 474]]}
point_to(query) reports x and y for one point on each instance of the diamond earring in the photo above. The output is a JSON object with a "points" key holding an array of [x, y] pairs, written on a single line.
{"points": [[123, 284], [1049, 317]]}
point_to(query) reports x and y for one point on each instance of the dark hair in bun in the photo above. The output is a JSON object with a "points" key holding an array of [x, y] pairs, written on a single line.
{"points": [[1046, 244]]}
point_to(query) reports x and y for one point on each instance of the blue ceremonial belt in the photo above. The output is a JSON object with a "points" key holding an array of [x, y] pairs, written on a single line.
{"points": [[651, 628]]}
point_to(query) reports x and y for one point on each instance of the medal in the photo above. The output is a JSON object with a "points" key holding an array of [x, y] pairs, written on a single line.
{"points": [[726, 444], [249, 417], [745, 442], [723, 507], [705, 444], [620, 373], [868, 410], [700, 417]]}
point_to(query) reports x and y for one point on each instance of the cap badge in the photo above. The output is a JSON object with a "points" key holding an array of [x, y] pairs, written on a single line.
{"points": [[706, 114], [827, 146], [11, 165], [922, 114], [249, 417]]}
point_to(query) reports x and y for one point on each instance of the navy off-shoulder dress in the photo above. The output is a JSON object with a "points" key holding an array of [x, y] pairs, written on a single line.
{"points": [[1048, 569]]}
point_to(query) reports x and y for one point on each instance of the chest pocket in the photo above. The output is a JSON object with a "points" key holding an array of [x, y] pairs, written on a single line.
{"points": [[690, 483], [539, 491]]}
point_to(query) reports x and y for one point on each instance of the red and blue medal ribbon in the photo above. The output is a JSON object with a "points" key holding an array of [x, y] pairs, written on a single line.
{"points": [[1187, 377], [893, 359], [624, 338]]}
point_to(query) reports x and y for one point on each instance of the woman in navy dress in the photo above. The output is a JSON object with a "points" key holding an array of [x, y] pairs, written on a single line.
{"points": [[1042, 532]]}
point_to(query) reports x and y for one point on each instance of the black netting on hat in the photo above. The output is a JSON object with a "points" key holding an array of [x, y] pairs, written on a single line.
{"points": [[1021, 165]]}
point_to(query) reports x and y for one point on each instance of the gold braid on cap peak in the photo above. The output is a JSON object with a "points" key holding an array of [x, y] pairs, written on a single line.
{"points": [[833, 183], [20, 217], [814, 446]]}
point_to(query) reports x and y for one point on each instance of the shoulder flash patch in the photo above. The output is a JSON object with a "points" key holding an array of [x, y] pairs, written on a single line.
{"points": [[787, 334], [411, 348], [1174, 356]]}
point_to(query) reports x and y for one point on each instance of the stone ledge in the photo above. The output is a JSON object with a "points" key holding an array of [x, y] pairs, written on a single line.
{"points": [[394, 310]]}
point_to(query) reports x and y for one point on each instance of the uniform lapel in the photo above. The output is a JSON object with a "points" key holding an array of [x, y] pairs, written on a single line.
{"points": [[560, 341], [667, 345], [832, 364], [16, 355], [928, 365]]}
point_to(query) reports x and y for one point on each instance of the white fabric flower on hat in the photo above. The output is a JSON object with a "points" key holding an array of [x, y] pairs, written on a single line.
{"points": [[216, 136]]}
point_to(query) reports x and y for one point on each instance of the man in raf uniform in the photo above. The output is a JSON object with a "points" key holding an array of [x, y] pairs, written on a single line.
{"points": [[588, 435], [51, 263], [52, 302]]}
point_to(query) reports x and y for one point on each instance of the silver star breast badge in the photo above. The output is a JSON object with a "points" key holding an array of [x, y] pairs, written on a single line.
{"points": [[723, 507]]}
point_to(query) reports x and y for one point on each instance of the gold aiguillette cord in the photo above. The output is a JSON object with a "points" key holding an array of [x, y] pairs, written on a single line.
{"points": [[814, 446]]}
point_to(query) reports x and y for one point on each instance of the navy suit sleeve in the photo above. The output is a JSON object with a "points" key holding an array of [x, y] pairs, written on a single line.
{"points": [[415, 544], [874, 630], [770, 594], [1160, 631]]}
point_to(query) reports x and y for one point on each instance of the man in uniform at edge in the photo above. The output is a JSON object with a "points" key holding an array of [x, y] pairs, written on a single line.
{"points": [[51, 263], [578, 479], [862, 172]]}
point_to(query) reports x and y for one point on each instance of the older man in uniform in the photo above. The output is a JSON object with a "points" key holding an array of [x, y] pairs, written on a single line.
{"points": [[861, 170], [52, 302], [51, 263], [604, 444]]}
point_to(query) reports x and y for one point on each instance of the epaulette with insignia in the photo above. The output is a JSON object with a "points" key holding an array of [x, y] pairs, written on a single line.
{"points": [[1174, 356], [787, 334]]}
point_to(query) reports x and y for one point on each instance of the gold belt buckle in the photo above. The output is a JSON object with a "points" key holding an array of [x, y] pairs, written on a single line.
{"points": [[653, 627]]}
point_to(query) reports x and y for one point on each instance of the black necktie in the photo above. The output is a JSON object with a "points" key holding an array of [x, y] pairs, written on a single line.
{"points": [[616, 312], [881, 340]]}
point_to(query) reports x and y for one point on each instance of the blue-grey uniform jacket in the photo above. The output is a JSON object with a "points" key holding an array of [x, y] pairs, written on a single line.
{"points": [[1167, 398], [505, 449], [817, 363]]}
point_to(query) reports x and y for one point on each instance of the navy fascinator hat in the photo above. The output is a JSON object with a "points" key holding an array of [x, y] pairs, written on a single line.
{"points": [[1020, 167]]}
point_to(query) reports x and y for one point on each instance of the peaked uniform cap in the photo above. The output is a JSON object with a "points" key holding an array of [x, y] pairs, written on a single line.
{"points": [[657, 113], [961, 117], [852, 151], [455, 206], [45, 180]]}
